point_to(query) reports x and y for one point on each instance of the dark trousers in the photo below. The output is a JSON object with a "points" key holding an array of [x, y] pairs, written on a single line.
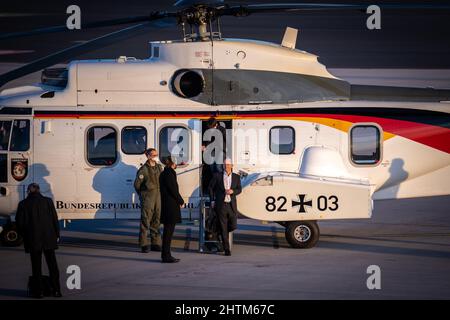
{"points": [[36, 266], [227, 221], [167, 240]]}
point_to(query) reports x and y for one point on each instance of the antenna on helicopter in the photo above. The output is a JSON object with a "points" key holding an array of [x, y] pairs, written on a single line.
{"points": [[290, 38]]}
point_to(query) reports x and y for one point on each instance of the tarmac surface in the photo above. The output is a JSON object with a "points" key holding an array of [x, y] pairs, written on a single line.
{"points": [[408, 239]]}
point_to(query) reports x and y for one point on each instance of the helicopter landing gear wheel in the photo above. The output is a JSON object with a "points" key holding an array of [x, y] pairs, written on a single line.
{"points": [[10, 236], [302, 234]]}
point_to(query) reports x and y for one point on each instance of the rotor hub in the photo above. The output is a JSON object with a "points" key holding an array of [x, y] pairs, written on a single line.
{"points": [[197, 15]]}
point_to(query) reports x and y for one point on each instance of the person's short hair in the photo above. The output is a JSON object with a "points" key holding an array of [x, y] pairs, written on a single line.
{"points": [[212, 122], [33, 188], [149, 150]]}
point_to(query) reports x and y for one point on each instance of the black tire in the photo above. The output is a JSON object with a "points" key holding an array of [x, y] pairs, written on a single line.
{"points": [[10, 236], [302, 234]]}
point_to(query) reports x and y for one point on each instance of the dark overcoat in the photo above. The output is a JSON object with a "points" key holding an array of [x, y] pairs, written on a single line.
{"points": [[171, 199], [37, 222]]}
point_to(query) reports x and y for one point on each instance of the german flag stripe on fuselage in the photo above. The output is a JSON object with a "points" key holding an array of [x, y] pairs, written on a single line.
{"points": [[430, 128]]}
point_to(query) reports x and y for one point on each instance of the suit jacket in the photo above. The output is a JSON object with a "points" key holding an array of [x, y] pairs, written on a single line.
{"points": [[37, 222], [217, 191], [170, 197]]}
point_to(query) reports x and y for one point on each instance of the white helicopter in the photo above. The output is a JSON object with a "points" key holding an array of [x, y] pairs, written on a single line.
{"points": [[308, 146]]}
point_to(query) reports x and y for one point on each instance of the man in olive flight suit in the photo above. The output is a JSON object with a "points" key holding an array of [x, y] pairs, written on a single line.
{"points": [[147, 187]]}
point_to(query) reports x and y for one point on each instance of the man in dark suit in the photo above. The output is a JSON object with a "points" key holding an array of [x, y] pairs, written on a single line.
{"points": [[223, 189], [37, 222]]}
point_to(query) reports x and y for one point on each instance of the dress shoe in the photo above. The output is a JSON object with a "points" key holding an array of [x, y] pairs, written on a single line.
{"points": [[227, 252], [144, 249], [170, 260], [155, 247], [57, 294]]}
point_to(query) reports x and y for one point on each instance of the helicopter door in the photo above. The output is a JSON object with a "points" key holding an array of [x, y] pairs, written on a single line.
{"points": [[15, 160], [206, 170], [181, 139]]}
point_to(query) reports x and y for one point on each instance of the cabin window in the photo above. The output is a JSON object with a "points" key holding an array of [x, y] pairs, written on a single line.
{"points": [[282, 140], [365, 144], [134, 140], [174, 141], [5, 131], [20, 139], [102, 146]]}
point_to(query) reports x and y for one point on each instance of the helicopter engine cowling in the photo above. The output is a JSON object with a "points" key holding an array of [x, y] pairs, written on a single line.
{"points": [[187, 83]]}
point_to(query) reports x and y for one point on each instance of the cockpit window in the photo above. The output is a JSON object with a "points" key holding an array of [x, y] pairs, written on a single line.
{"points": [[4, 167], [156, 52], [20, 140], [5, 131]]}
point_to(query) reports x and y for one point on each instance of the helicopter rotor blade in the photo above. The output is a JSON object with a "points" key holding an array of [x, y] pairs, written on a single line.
{"points": [[82, 48], [90, 25], [190, 3], [223, 10], [245, 10]]}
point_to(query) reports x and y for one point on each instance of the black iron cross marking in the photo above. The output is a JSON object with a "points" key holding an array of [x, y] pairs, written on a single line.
{"points": [[301, 203]]}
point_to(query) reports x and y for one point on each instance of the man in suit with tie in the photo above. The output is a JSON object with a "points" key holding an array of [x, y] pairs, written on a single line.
{"points": [[223, 189]]}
